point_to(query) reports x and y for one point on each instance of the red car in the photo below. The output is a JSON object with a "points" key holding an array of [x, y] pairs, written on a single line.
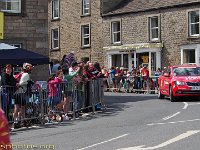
{"points": [[179, 81]]}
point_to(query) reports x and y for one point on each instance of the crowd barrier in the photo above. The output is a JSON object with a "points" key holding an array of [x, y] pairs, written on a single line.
{"points": [[51, 100], [132, 84]]}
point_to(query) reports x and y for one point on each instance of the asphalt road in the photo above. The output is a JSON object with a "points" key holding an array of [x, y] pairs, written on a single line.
{"points": [[131, 122]]}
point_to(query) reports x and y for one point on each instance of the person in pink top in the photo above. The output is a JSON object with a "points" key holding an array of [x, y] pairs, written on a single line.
{"points": [[53, 84], [54, 96]]}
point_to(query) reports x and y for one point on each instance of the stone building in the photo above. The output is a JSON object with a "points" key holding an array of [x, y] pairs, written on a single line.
{"points": [[155, 33], [75, 26], [26, 26]]}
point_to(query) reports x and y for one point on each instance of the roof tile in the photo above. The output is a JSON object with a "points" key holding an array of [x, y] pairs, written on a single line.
{"points": [[143, 5]]}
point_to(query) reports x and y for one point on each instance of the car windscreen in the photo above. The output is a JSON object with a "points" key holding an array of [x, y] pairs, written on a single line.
{"points": [[186, 71]]}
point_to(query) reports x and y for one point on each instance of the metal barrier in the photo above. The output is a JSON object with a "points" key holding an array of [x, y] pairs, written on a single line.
{"points": [[133, 84], [50, 101]]}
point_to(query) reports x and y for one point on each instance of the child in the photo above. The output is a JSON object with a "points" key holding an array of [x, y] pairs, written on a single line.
{"points": [[53, 98]]}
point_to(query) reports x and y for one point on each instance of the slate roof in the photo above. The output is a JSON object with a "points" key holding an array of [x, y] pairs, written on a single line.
{"points": [[127, 6]]}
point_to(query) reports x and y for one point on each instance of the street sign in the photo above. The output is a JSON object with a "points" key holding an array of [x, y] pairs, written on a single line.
{"points": [[1, 25]]}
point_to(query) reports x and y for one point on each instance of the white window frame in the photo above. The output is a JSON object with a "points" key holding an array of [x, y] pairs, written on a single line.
{"points": [[55, 9], [12, 10], [55, 38], [190, 24], [114, 33], [85, 36], [153, 28], [195, 47], [85, 7]]}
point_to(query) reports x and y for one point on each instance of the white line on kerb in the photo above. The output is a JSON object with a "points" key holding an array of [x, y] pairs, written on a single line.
{"points": [[168, 117], [104, 141], [185, 106]]}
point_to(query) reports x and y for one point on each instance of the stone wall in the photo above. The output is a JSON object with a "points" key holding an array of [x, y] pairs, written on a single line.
{"points": [[173, 31], [30, 28], [70, 30]]}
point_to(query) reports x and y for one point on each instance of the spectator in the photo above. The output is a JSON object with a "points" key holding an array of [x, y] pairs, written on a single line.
{"points": [[158, 72], [93, 70], [105, 81], [9, 87], [68, 88], [54, 94], [112, 77], [86, 73], [145, 77], [21, 95], [56, 66], [73, 68]]}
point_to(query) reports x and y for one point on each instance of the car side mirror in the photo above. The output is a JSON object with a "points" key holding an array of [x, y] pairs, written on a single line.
{"points": [[166, 74]]}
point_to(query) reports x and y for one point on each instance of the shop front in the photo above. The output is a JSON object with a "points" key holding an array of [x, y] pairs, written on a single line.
{"points": [[146, 54]]}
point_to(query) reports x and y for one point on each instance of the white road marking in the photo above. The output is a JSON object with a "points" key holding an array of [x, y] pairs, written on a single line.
{"points": [[151, 124], [173, 140], [185, 106], [168, 117], [195, 104], [104, 141]]}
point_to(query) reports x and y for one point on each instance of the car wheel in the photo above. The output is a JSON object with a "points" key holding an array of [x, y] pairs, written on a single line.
{"points": [[171, 97], [160, 95]]}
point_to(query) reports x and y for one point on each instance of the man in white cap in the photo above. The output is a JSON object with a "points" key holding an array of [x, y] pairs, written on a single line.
{"points": [[22, 94]]}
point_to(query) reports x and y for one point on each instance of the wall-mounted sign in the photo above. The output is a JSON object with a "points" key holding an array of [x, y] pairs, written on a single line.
{"points": [[1, 25], [145, 59]]}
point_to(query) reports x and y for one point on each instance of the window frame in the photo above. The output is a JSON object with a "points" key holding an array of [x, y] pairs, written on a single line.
{"points": [[195, 47], [189, 23], [85, 8], [53, 17], [150, 28], [87, 35], [19, 11], [112, 32], [53, 39]]}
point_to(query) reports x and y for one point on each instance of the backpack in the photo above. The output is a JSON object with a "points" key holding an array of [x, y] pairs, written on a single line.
{"points": [[29, 85], [18, 76]]}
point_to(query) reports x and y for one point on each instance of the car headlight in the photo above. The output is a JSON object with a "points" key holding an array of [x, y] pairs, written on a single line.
{"points": [[179, 83]]}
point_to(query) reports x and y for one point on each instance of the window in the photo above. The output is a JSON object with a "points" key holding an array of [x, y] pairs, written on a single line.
{"points": [[125, 61], [119, 60], [189, 56], [153, 28], [193, 23], [55, 38], [116, 32], [85, 35], [55, 9], [116, 60], [85, 7], [12, 6]]}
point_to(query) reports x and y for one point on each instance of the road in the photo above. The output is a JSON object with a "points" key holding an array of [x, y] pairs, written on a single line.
{"points": [[131, 122]]}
